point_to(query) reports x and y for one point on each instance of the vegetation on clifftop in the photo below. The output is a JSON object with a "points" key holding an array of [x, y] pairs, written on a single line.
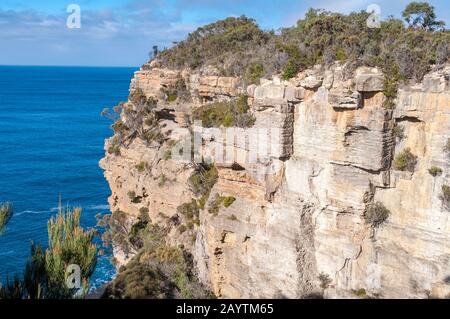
{"points": [[237, 46]]}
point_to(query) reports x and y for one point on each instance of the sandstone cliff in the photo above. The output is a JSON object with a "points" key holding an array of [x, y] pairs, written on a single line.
{"points": [[297, 225]]}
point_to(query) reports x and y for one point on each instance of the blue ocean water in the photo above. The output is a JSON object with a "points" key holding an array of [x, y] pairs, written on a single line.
{"points": [[51, 140]]}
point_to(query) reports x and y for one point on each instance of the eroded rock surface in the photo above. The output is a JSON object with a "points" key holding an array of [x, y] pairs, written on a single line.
{"points": [[298, 213]]}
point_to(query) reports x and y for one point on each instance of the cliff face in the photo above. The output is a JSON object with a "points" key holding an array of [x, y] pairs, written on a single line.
{"points": [[303, 178]]}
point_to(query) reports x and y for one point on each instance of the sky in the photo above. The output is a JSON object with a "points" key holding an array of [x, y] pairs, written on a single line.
{"points": [[122, 32]]}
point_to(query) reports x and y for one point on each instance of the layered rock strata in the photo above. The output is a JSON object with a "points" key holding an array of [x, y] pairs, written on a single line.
{"points": [[320, 153]]}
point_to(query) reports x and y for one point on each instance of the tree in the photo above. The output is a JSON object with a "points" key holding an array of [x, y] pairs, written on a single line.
{"points": [[6, 213], [421, 15], [68, 244], [46, 272]]}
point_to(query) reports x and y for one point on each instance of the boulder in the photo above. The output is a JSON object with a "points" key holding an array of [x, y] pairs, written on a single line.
{"points": [[344, 99], [311, 82]]}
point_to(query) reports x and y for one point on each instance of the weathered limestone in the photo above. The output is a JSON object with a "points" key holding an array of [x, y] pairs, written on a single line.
{"points": [[369, 80], [203, 87], [299, 207]]}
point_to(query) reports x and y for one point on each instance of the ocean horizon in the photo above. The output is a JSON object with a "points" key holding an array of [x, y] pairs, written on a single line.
{"points": [[52, 135]]}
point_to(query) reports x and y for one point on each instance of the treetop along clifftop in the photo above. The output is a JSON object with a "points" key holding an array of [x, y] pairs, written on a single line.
{"points": [[238, 47]]}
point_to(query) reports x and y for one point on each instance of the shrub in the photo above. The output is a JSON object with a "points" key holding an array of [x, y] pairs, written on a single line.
{"points": [[162, 180], [171, 98], [202, 201], [435, 171], [227, 114], [290, 70], [114, 149], [254, 73], [153, 135], [158, 270], [116, 231], [360, 292], [119, 127], [182, 229], [405, 161], [376, 214], [136, 281], [135, 234], [134, 199], [340, 54], [6, 212], [190, 210], [141, 167], [113, 114], [228, 201], [141, 118], [203, 179], [143, 214], [178, 90], [216, 204], [131, 194], [138, 97], [167, 155], [325, 280], [233, 217], [445, 196]]}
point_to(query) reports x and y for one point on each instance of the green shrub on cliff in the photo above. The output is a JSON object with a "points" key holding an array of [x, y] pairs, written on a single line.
{"points": [[217, 203], [228, 114], [157, 271], [203, 179], [189, 210], [376, 214], [435, 171], [325, 280], [141, 118], [405, 161], [141, 167], [134, 198], [228, 201], [177, 91]]}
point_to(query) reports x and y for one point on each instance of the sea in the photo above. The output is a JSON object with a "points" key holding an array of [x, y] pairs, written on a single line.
{"points": [[51, 141]]}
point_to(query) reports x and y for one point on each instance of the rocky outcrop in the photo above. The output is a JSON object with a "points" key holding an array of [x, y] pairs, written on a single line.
{"points": [[203, 87], [302, 178]]}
